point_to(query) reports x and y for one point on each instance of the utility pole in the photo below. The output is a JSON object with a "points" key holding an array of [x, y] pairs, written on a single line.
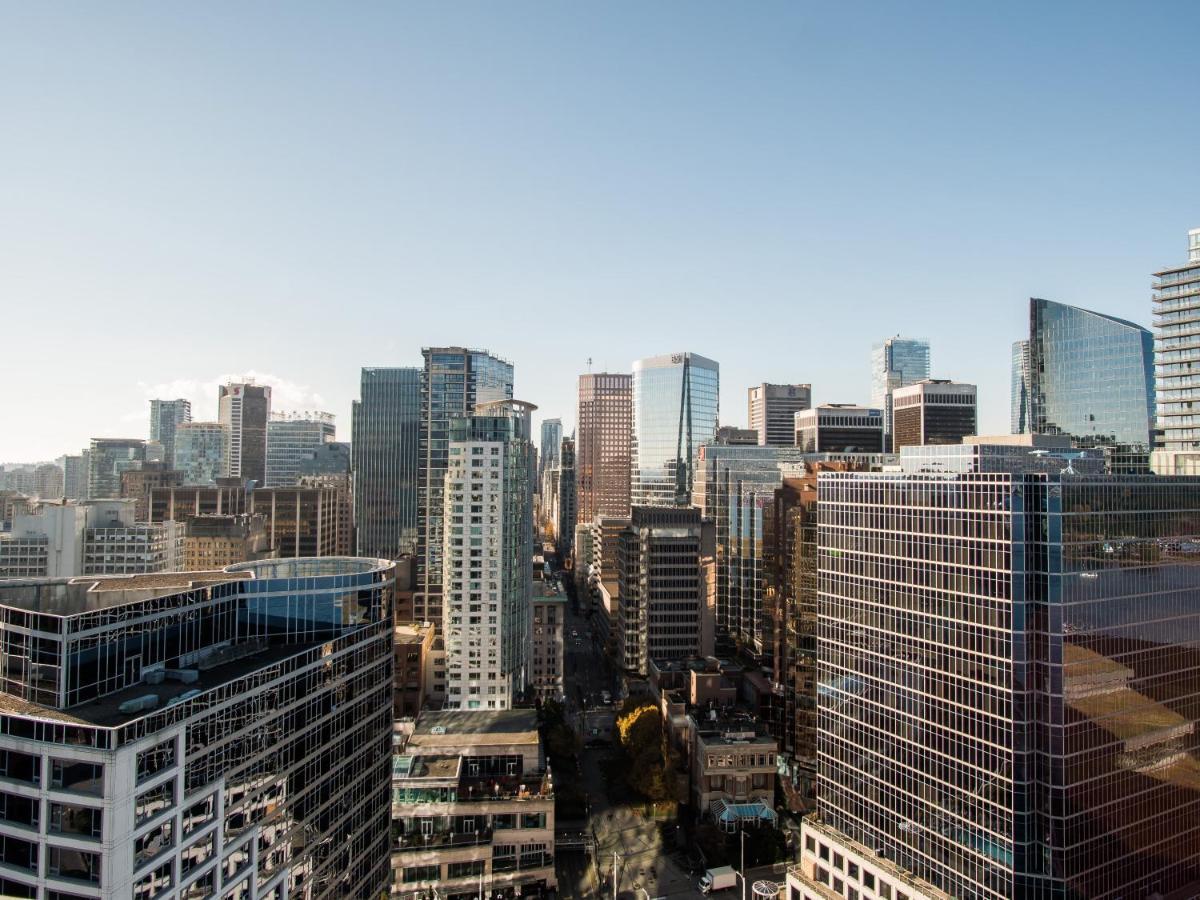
{"points": [[743, 834], [614, 875]]}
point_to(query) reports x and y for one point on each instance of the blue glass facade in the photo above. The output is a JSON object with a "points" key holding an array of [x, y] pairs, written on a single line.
{"points": [[386, 428], [675, 409], [1020, 387], [896, 362], [1091, 376]]}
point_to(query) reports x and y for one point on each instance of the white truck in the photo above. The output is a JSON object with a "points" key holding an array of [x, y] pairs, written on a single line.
{"points": [[718, 879]]}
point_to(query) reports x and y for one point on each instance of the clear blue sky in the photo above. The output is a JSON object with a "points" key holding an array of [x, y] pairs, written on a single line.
{"points": [[194, 190]]}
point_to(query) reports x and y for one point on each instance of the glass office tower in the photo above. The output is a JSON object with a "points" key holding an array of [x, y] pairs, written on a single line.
{"points": [[1009, 672], [1091, 377], [453, 381], [550, 447], [895, 362], [385, 434], [675, 409], [1019, 390], [198, 734]]}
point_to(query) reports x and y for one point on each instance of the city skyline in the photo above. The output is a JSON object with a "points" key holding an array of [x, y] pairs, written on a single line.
{"points": [[458, 166]]}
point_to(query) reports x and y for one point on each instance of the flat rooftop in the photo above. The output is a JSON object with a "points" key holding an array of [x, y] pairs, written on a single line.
{"points": [[433, 765], [466, 728], [72, 596], [105, 712]]}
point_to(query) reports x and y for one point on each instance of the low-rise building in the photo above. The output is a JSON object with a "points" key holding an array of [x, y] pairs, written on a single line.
{"points": [[413, 649], [213, 542], [136, 485], [733, 769], [840, 428], [472, 807]]}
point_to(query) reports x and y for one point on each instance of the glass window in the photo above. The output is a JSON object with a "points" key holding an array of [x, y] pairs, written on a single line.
{"points": [[78, 821], [78, 864], [20, 766], [86, 778]]}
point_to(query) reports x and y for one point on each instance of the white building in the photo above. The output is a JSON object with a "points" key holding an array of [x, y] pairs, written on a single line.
{"points": [[487, 562]]}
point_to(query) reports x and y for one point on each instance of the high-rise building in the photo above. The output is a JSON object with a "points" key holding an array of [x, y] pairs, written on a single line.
{"points": [[896, 362], [244, 409], [549, 448], [385, 436], [1091, 377], [292, 437], [165, 417], [75, 478], [565, 508], [1177, 364], [108, 458], [1008, 670], [488, 556], [203, 734], [735, 485], [602, 434], [453, 382], [228, 497], [933, 412], [48, 481], [136, 485], [306, 520], [840, 428], [330, 458], [661, 609], [676, 403], [1019, 396], [200, 449], [771, 410]]}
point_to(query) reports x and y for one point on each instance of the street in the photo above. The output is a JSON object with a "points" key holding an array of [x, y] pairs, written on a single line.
{"points": [[644, 866]]}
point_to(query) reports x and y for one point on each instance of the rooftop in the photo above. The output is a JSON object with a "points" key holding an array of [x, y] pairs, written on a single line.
{"points": [[468, 728]]}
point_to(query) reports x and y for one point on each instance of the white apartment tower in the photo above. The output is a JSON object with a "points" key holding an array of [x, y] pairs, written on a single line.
{"points": [[487, 556]]}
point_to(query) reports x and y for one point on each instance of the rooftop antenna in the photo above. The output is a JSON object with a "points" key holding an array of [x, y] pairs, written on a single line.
{"points": [[589, 365]]}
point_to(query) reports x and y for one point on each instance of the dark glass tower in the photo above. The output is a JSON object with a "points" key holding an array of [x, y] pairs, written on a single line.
{"points": [[386, 425], [1009, 673]]}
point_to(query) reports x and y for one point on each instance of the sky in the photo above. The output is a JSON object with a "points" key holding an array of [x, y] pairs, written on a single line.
{"points": [[190, 192]]}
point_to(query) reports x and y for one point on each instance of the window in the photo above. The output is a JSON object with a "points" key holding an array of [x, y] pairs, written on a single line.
{"points": [[809, 844], [852, 870], [421, 873], [825, 852], [868, 881], [468, 869], [837, 861], [885, 891], [156, 759], [77, 821], [199, 814], [17, 810], [820, 875], [201, 888], [196, 855], [154, 801], [77, 864], [152, 843], [20, 766], [153, 884], [18, 853], [86, 778]]}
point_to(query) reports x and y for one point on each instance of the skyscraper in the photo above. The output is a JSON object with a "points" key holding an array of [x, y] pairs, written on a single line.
{"points": [[550, 446], [385, 435], [108, 458], [165, 417], [488, 556], [1091, 377], [840, 428], [1177, 333], [895, 362], [565, 512], [1008, 669], [933, 411], [1019, 396], [771, 409], [75, 478], [200, 449], [244, 408], [291, 437], [199, 734], [453, 382], [602, 435], [676, 402]]}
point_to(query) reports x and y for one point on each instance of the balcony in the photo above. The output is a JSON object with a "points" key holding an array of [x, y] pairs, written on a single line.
{"points": [[408, 843], [530, 786]]}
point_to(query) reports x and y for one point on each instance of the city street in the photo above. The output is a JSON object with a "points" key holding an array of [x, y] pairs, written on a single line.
{"points": [[644, 866]]}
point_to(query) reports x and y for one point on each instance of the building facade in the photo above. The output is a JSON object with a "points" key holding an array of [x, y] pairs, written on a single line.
{"points": [[473, 808], [214, 542], [488, 556], [1177, 339], [602, 437], [661, 614], [1091, 377], [841, 428], [454, 381], [548, 647], [200, 449], [210, 734], [1007, 666], [676, 403], [291, 439], [75, 478], [896, 362], [549, 447], [933, 412], [771, 410], [165, 417], [136, 485], [244, 408], [386, 429], [308, 520], [565, 513], [107, 459]]}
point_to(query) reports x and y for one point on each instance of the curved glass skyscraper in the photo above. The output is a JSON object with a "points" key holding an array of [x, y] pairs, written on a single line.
{"points": [[1091, 377], [675, 408]]}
